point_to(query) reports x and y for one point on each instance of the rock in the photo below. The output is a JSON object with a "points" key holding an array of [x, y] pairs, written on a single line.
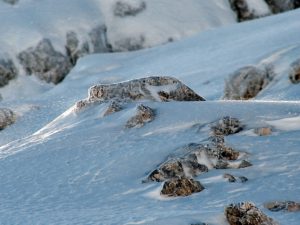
{"points": [[226, 126], [294, 73], [129, 44], [7, 117], [246, 213], [45, 62], [263, 131], [99, 41], [221, 164], [112, 108], [12, 2], [229, 177], [199, 223], [244, 164], [247, 82], [73, 50], [283, 205], [8, 71], [150, 88], [278, 6], [128, 8], [143, 115], [243, 179], [181, 187], [168, 170]]}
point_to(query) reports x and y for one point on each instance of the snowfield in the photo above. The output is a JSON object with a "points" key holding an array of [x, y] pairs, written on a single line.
{"points": [[63, 166]]}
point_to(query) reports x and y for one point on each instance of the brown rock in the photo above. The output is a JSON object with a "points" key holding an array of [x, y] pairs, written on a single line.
{"points": [[226, 126], [263, 131], [143, 115], [7, 117], [112, 108], [181, 187], [283, 205], [294, 74], [246, 213]]}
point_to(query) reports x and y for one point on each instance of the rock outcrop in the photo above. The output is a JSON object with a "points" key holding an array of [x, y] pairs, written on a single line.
{"points": [[226, 126], [8, 71], [276, 206], [144, 114], [161, 89], [45, 62], [181, 187], [294, 74], [7, 117], [246, 213], [278, 6], [247, 82], [113, 107]]}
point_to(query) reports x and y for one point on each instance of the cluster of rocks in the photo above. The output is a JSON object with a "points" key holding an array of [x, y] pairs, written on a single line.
{"points": [[244, 12], [247, 82], [7, 117], [246, 213], [198, 158]]}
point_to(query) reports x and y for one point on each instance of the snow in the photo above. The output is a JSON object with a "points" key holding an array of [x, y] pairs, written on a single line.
{"points": [[260, 7], [62, 167]]}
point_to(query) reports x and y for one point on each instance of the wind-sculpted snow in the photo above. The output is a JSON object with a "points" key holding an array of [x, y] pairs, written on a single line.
{"points": [[161, 89], [7, 117]]}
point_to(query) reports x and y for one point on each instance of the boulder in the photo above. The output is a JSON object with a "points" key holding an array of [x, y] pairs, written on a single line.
{"points": [[226, 126], [8, 71], [247, 82], [112, 108], [144, 114], [233, 179], [276, 206], [294, 73], [181, 187], [126, 8], [45, 62], [7, 117], [246, 213]]}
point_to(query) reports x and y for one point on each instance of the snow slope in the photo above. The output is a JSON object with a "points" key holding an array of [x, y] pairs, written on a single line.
{"points": [[59, 167]]}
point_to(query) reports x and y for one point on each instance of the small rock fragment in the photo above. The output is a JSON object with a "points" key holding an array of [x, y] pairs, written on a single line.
{"points": [[112, 108], [244, 164], [230, 178], [226, 126], [263, 131], [243, 179], [7, 117], [144, 115], [181, 187], [246, 213]]}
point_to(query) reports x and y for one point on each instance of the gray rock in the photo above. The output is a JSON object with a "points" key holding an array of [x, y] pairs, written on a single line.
{"points": [[99, 41], [247, 82], [112, 108], [8, 71], [230, 177], [181, 187], [129, 44], [246, 213], [276, 206], [244, 164], [226, 126], [45, 62], [128, 8], [144, 114], [294, 74], [278, 6], [7, 117]]}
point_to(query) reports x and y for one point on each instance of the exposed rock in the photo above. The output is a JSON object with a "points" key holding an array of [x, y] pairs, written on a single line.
{"points": [[129, 8], [73, 50], [12, 2], [99, 41], [8, 71], [129, 44], [150, 88], [143, 115], [294, 74], [112, 108], [278, 6], [226, 126], [45, 62], [284, 205], [247, 82], [7, 117], [263, 131], [244, 164], [243, 179], [181, 187], [233, 179], [246, 213]]}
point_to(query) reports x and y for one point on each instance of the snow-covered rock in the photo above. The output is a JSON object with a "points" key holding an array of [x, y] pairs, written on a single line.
{"points": [[12, 2], [144, 114], [7, 117], [8, 71], [294, 74], [226, 126], [276, 206]]}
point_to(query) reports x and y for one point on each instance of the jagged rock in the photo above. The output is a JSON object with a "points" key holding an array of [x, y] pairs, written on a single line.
{"points": [[233, 179], [45, 62], [143, 115], [7, 117], [244, 164], [73, 50], [12, 2], [150, 88], [294, 74], [181, 187], [8, 71], [246, 213], [226, 126], [112, 108], [283, 205], [263, 131], [128, 8], [247, 82]]}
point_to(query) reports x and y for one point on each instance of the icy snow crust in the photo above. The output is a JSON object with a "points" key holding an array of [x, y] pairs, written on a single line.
{"points": [[61, 167]]}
